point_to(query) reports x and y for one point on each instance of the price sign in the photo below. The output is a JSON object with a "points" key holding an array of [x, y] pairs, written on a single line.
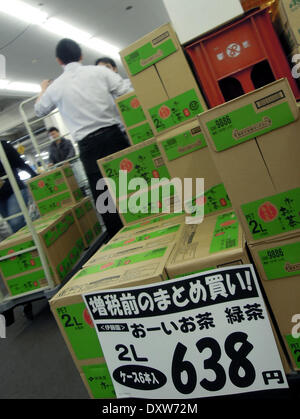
{"points": [[203, 335]]}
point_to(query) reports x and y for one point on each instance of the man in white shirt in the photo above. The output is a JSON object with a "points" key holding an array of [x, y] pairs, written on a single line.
{"points": [[84, 96]]}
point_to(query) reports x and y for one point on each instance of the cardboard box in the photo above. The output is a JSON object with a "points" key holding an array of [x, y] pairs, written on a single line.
{"points": [[54, 189], [196, 17], [140, 161], [134, 119], [162, 79], [186, 155], [278, 265], [217, 241], [62, 245], [97, 380], [287, 23], [72, 316], [261, 175]]}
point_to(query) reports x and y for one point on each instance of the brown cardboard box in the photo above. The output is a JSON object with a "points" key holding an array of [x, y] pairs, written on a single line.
{"points": [[217, 241], [62, 245], [140, 161], [137, 126], [69, 309], [160, 75], [261, 175], [96, 378], [288, 23], [278, 265], [186, 154], [54, 189]]}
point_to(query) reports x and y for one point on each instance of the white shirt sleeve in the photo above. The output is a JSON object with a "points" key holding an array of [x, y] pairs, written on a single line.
{"points": [[116, 84], [44, 105]]}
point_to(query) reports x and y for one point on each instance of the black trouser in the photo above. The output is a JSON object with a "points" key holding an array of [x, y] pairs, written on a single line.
{"points": [[95, 146]]}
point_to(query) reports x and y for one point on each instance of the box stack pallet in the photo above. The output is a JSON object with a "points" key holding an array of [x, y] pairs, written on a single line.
{"points": [[68, 225], [246, 150]]}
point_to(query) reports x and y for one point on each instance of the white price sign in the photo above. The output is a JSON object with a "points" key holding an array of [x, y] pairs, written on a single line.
{"points": [[203, 335]]}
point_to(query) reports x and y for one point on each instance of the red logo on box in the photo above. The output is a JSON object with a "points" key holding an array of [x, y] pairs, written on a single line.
{"points": [[129, 241], [135, 103], [41, 184], [223, 202], [87, 317], [228, 223], [107, 265], [155, 173], [267, 212], [186, 112], [164, 112], [126, 165]]}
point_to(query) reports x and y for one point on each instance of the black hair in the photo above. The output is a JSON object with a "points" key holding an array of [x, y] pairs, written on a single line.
{"points": [[106, 60], [68, 51], [51, 129]]}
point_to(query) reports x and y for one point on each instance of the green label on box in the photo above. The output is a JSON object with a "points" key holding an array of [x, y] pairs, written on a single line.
{"points": [[244, 123], [80, 244], [99, 381], [48, 185], [51, 236], [194, 272], [185, 143], [74, 255], [274, 214], [131, 111], [64, 268], [89, 236], [97, 228], [88, 206], [16, 248], [145, 204], [151, 221], [281, 261], [128, 260], [141, 133], [149, 54], [146, 163], [176, 110], [26, 283], [79, 211], [54, 203], [152, 235], [21, 263], [78, 195], [215, 199], [294, 345], [80, 331], [68, 172], [226, 233]]}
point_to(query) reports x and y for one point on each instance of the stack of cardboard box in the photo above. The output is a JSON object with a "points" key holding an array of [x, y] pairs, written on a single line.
{"points": [[254, 142], [55, 189], [129, 263], [134, 119]]}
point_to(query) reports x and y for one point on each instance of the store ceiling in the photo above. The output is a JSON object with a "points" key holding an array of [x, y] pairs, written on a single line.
{"points": [[29, 50]]}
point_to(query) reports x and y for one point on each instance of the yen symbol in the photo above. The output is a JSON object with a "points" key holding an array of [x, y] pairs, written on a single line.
{"points": [[233, 50]]}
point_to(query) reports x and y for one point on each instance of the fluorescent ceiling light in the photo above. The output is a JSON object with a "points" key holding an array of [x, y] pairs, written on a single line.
{"points": [[65, 30], [4, 83], [22, 11], [104, 47], [23, 87]]}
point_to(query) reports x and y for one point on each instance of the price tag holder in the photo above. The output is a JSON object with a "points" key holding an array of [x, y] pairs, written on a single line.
{"points": [[202, 335]]}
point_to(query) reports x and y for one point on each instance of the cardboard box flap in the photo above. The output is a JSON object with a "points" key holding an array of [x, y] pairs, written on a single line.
{"points": [[255, 113], [150, 49]]}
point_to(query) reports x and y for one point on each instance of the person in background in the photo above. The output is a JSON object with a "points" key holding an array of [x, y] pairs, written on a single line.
{"points": [[111, 65], [61, 149], [8, 201], [84, 96]]}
